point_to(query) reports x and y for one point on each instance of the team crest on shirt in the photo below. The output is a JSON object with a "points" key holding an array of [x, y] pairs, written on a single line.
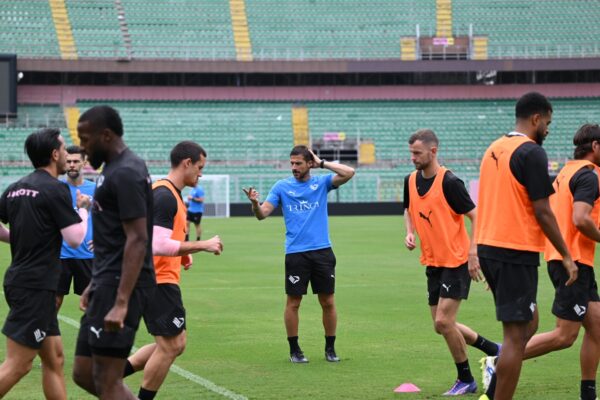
{"points": [[314, 186]]}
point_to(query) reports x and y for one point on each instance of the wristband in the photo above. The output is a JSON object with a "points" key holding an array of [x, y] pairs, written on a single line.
{"points": [[322, 165]]}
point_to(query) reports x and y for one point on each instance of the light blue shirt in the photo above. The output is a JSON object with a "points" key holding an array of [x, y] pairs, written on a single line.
{"points": [[196, 206], [304, 206], [82, 252]]}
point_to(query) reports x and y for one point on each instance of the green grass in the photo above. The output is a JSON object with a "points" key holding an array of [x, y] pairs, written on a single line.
{"points": [[237, 340]]}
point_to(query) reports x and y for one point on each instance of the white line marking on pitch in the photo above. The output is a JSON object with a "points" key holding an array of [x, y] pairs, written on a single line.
{"points": [[181, 372]]}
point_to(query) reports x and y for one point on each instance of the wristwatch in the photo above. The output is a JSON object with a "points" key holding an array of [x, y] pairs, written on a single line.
{"points": [[322, 163]]}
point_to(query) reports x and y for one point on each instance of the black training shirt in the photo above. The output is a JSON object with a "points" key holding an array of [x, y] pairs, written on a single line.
{"points": [[36, 207], [123, 193], [584, 186], [529, 166], [454, 191], [165, 207]]}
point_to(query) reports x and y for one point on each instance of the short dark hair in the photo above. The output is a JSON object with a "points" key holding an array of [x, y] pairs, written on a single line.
{"points": [[40, 144], [303, 151], [74, 149], [184, 150], [532, 103], [583, 139], [103, 117], [424, 135]]}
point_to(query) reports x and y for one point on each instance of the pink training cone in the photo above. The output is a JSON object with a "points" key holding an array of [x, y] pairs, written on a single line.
{"points": [[407, 388]]}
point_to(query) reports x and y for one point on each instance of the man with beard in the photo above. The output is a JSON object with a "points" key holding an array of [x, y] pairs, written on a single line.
{"points": [[165, 315], [122, 274], [40, 213], [309, 258], [576, 204], [76, 263], [435, 203], [514, 215]]}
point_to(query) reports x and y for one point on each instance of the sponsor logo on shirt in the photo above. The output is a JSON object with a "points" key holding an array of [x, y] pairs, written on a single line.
{"points": [[100, 181], [302, 206], [23, 193]]}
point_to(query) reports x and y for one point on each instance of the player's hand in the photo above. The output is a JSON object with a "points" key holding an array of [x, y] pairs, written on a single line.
{"points": [[316, 160], [572, 270], [474, 268], [410, 241], [83, 200], [90, 245], [187, 261], [214, 245], [115, 319], [252, 194], [83, 299]]}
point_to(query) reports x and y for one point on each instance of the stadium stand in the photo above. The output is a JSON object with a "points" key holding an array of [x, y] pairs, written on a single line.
{"points": [[96, 30], [27, 28], [295, 29], [308, 29], [250, 140], [180, 29], [531, 29]]}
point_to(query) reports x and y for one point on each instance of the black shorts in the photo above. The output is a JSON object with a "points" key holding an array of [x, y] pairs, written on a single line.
{"points": [[571, 302], [194, 217], [31, 316], [76, 269], [92, 338], [315, 266], [449, 283], [514, 287], [165, 314]]}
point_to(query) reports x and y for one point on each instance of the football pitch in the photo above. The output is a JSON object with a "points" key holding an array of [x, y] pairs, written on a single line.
{"points": [[237, 345]]}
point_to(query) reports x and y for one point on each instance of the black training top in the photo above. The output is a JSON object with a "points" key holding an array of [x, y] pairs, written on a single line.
{"points": [[584, 186], [529, 166], [123, 193], [454, 191], [165, 207], [36, 207]]}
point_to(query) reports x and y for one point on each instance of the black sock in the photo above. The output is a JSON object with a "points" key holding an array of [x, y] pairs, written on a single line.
{"points": [[588, 390], [187, 238], [128, 369], [197, 237], [329, 342], [464, 372], [145, 394], [293, 341], [492, 388], [489, 348]]}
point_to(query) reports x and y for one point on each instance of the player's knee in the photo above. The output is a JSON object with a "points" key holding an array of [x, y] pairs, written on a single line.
{"points": [[56, 362], [442, 325], [566, 339], [178, 346], [327, 303]]}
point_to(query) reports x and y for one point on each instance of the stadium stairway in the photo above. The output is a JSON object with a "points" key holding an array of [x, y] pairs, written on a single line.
{"points": [[66, 43]]}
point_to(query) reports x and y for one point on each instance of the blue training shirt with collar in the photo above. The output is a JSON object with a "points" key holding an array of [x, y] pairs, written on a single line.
{"points": [[304, 206], [82, 252], [195, 206]]}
